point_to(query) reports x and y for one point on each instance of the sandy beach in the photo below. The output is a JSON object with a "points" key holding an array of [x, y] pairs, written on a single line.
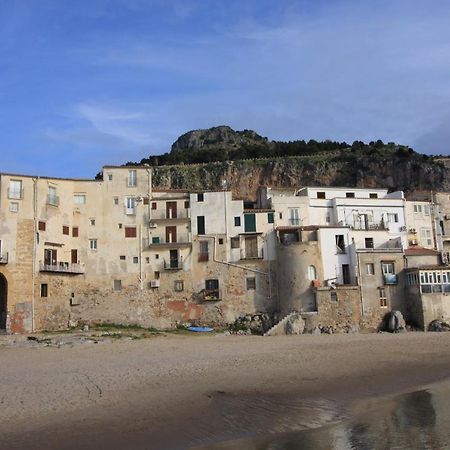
{"points": [[182, 391]]}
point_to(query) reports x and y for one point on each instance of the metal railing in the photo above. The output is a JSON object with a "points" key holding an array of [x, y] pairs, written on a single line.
{"points": [[3, 258], [174, 264], [212, 295], [15, 194], [61, 267], [52, 200], [130, 211], [169, 215], [161, 240], [252, 254], [371, 226]]}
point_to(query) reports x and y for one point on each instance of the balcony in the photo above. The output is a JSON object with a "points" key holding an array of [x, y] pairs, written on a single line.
{"points": [[257, 253], [52, 200], [181, 214], [183, 240], [371, 226], [213, 295], [390, 278], [15, 194], [174, 264], [62, 267], [130, 211], [3, 258]]}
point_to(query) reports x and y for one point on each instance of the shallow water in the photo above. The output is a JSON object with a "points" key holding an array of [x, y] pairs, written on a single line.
{"points": [[412, 421]]}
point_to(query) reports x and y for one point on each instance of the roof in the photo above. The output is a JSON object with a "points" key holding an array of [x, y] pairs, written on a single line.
{"points": [[420, 251], [307, 227], [256, 210], [39, 177]]}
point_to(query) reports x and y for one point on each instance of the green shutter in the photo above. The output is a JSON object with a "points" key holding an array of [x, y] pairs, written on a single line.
{"points": [[249, 223], [200, 224], [270, 217]]}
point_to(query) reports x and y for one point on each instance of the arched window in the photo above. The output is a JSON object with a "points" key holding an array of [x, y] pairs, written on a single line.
{"points": [[312, 273]]}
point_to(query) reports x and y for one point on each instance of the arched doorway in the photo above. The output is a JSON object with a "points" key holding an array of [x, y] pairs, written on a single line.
{"points": [[3, 301]]}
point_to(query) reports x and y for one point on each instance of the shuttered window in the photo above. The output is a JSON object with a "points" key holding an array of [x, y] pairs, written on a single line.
{"points": [[130, 232]]}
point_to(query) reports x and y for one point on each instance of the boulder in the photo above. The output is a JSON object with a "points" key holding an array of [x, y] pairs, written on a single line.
{"points": [[438, 325], [295, 325], [394, 322]]}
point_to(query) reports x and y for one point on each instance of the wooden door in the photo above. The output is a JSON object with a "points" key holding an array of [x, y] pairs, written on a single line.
{"points": [[171, 210], [173, 259], [171, 234], [74, 256], [251, 247], [50, 257]]}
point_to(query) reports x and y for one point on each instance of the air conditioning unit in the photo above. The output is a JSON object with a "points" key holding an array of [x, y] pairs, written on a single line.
{"points": [[403, 228], [412, 230], [154, 283], [152, 225], [138, 199], [413, 242]]}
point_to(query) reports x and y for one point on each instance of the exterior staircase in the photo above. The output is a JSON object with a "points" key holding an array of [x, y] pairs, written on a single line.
{"points": [[280, 327]]}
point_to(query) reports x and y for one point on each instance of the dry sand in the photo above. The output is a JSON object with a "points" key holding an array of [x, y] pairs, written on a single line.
{"points": [[183, 391]]}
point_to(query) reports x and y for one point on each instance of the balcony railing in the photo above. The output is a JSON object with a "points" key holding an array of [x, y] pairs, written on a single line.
{"points": [[15, 194], [170, 215], [390, 278], [52, 200], [173, 264], [62, 267], [252, 254], [294, 221], [161, 240], [371, 226], [212, 295], [3, 258], [130, 211]]}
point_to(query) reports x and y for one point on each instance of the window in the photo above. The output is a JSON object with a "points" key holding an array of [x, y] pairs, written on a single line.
{"points": [[350, 194], [130, 205], [147, 259], [249, 223], [178, 286], [426, 210], [370, 269], [312, 273], [373, 195], [281, 215], [392, 218], [14, 207], [132, 178], [425, 237], [270, 217], [79, 199], [388, 268], [251, 284], [220, 241], [92, 222], [145, 200], [237, 221], [65, 230], [155, 240], [52, 198], [212, 290], [110, 176], [154, 205], [117, 285], [44, 290], [41, 226], [130, 232], [328, 218], [200, 197], [120, 226], [235, 242], [15, 189], [135, 259], [123, 257], [417, 209], [200, 225], [203, 254], [294, 218], [156, 275], [186, 204], [340, 243], [116, 200], [93, 244], [321, 195], [383, 298], [368, 242], [75, 232]]}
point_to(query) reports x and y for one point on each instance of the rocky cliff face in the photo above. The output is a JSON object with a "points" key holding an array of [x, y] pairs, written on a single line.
{"points": [[339, 169]]}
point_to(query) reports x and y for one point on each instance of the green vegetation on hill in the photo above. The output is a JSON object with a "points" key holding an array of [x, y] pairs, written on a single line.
{"points": [[221, 144]]}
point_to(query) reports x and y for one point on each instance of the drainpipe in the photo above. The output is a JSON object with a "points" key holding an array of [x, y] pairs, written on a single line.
{"points": [[33, 256]]}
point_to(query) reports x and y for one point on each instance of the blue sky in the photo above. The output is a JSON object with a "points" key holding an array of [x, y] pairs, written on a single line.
{"points": [[87, 83]]}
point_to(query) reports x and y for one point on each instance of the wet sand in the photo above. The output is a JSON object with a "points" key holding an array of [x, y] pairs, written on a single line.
{"points": [[182, 392]]}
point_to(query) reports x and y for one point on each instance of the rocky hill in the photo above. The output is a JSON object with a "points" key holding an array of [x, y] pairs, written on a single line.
{"points": [[202, 159]]}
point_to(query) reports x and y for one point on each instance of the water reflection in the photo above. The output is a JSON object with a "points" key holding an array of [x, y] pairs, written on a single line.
{"points": [[418, 420]]}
